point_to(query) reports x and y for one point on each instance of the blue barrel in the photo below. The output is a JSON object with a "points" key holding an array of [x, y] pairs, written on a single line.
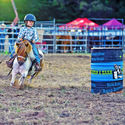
{"points": [[106, 70]]}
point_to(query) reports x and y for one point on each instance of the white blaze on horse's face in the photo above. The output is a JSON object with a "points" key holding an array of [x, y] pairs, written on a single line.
{"points": [[21, 53]]}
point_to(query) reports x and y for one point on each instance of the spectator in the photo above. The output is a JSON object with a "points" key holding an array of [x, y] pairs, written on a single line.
{"points": [[15, 36], [11, 36], [2, 36]]}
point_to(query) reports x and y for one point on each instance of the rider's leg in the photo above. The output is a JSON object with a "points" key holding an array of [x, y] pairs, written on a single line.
{"points": [[12, 57], [38, 68]]}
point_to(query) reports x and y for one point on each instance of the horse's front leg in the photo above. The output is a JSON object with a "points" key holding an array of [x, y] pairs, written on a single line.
{"points": [[13, 77], [22, 78]]}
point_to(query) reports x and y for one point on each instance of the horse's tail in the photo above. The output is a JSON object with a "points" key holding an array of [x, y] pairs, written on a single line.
{"points": [[42, 63]]}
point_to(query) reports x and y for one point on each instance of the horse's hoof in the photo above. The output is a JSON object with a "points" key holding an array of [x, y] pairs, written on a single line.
{"points": [[11, 84], [21, 86]]}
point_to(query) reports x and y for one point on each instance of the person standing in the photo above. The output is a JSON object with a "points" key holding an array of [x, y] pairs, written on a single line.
{"points": [[2, 37], [11, 38]]}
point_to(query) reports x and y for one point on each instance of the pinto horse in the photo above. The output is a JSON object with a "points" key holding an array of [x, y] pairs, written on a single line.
{"points": [[23, 63]]}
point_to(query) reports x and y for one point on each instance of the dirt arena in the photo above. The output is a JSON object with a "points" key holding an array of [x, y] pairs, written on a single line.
{"points": [[60, 95]]}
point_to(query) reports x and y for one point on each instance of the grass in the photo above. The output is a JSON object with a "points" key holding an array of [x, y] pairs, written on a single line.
{"points": [[6, 10], [23, 7]]}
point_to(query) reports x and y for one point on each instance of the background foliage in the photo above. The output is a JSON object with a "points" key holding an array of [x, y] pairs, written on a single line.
{"points": [[63, 10]]}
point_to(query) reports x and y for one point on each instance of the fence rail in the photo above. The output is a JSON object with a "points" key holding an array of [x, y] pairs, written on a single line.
{"points": [[52, 39]]}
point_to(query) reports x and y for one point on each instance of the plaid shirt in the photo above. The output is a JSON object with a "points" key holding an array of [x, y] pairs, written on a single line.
{"points": [[28, 34]]}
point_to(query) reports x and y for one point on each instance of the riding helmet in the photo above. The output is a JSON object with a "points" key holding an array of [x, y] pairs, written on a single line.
{"points": [[30, 17]]}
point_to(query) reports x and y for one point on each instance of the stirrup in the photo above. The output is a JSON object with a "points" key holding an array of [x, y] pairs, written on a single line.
{"points": [[37, 68], [9, 64]]}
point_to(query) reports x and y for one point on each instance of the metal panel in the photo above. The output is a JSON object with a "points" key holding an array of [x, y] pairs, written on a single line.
{"points": [[58, 40]]}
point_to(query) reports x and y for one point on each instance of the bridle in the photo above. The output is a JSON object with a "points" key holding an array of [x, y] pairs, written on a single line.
{"points": [[21, 59]]}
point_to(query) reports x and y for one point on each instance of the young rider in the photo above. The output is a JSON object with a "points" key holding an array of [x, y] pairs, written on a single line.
{"points": [[28, 32]]}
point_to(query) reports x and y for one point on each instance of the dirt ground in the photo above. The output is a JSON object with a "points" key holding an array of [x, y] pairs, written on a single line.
{"points": [[59, 95]]}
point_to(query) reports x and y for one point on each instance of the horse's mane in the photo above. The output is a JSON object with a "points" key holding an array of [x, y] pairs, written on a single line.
{"points": [[27, 43], [29, 48]]}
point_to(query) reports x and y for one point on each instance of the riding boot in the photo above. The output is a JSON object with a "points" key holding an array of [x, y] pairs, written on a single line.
{"points": [[38, 67], [10, 61]]}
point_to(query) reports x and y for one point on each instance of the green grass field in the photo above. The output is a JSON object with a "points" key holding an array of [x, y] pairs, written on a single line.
{"points": [[23, 7], [6, 10]]}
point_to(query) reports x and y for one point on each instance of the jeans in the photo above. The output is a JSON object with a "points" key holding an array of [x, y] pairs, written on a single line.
{"points": [[35, 51]]}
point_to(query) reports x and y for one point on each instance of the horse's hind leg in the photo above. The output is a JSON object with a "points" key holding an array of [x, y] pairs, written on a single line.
{"points": [[32, 76], [22, 78]]}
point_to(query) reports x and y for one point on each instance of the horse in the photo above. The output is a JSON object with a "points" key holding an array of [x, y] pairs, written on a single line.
{"points": [[66, 41], [23, 63]]}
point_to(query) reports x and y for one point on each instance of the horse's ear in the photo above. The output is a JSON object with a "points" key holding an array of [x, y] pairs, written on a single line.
{"points": [[17, 44], [26, 44]]}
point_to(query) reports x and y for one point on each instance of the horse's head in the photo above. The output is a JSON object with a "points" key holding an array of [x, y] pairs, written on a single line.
{"points": [[22, 50]]}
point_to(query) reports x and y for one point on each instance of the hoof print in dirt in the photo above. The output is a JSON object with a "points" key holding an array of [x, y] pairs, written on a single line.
{"points": [[64, 114]]}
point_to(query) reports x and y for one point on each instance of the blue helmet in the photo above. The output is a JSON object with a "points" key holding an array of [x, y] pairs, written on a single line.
{"points": [[30, 17]]}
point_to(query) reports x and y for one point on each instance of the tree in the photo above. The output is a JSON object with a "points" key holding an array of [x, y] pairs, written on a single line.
{"points": [[94, 9], [63, 10]]}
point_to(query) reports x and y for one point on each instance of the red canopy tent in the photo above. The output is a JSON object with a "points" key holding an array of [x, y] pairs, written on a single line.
{"points": [[80, 23]]}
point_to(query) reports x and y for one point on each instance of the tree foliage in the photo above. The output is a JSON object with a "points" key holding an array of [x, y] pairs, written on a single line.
{"points": [[64, 10], [67, 10]]}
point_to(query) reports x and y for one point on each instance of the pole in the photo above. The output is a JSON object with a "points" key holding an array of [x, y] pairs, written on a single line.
{"points": [[16, 13], [14, 7]]}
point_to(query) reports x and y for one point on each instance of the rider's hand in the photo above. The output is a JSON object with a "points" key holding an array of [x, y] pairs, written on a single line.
{"points": [[33, 41], [20, 39]]}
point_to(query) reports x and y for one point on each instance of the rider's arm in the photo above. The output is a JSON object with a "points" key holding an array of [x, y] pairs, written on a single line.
{"points": [[33, 41], [21, 34], [35, 37]]}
